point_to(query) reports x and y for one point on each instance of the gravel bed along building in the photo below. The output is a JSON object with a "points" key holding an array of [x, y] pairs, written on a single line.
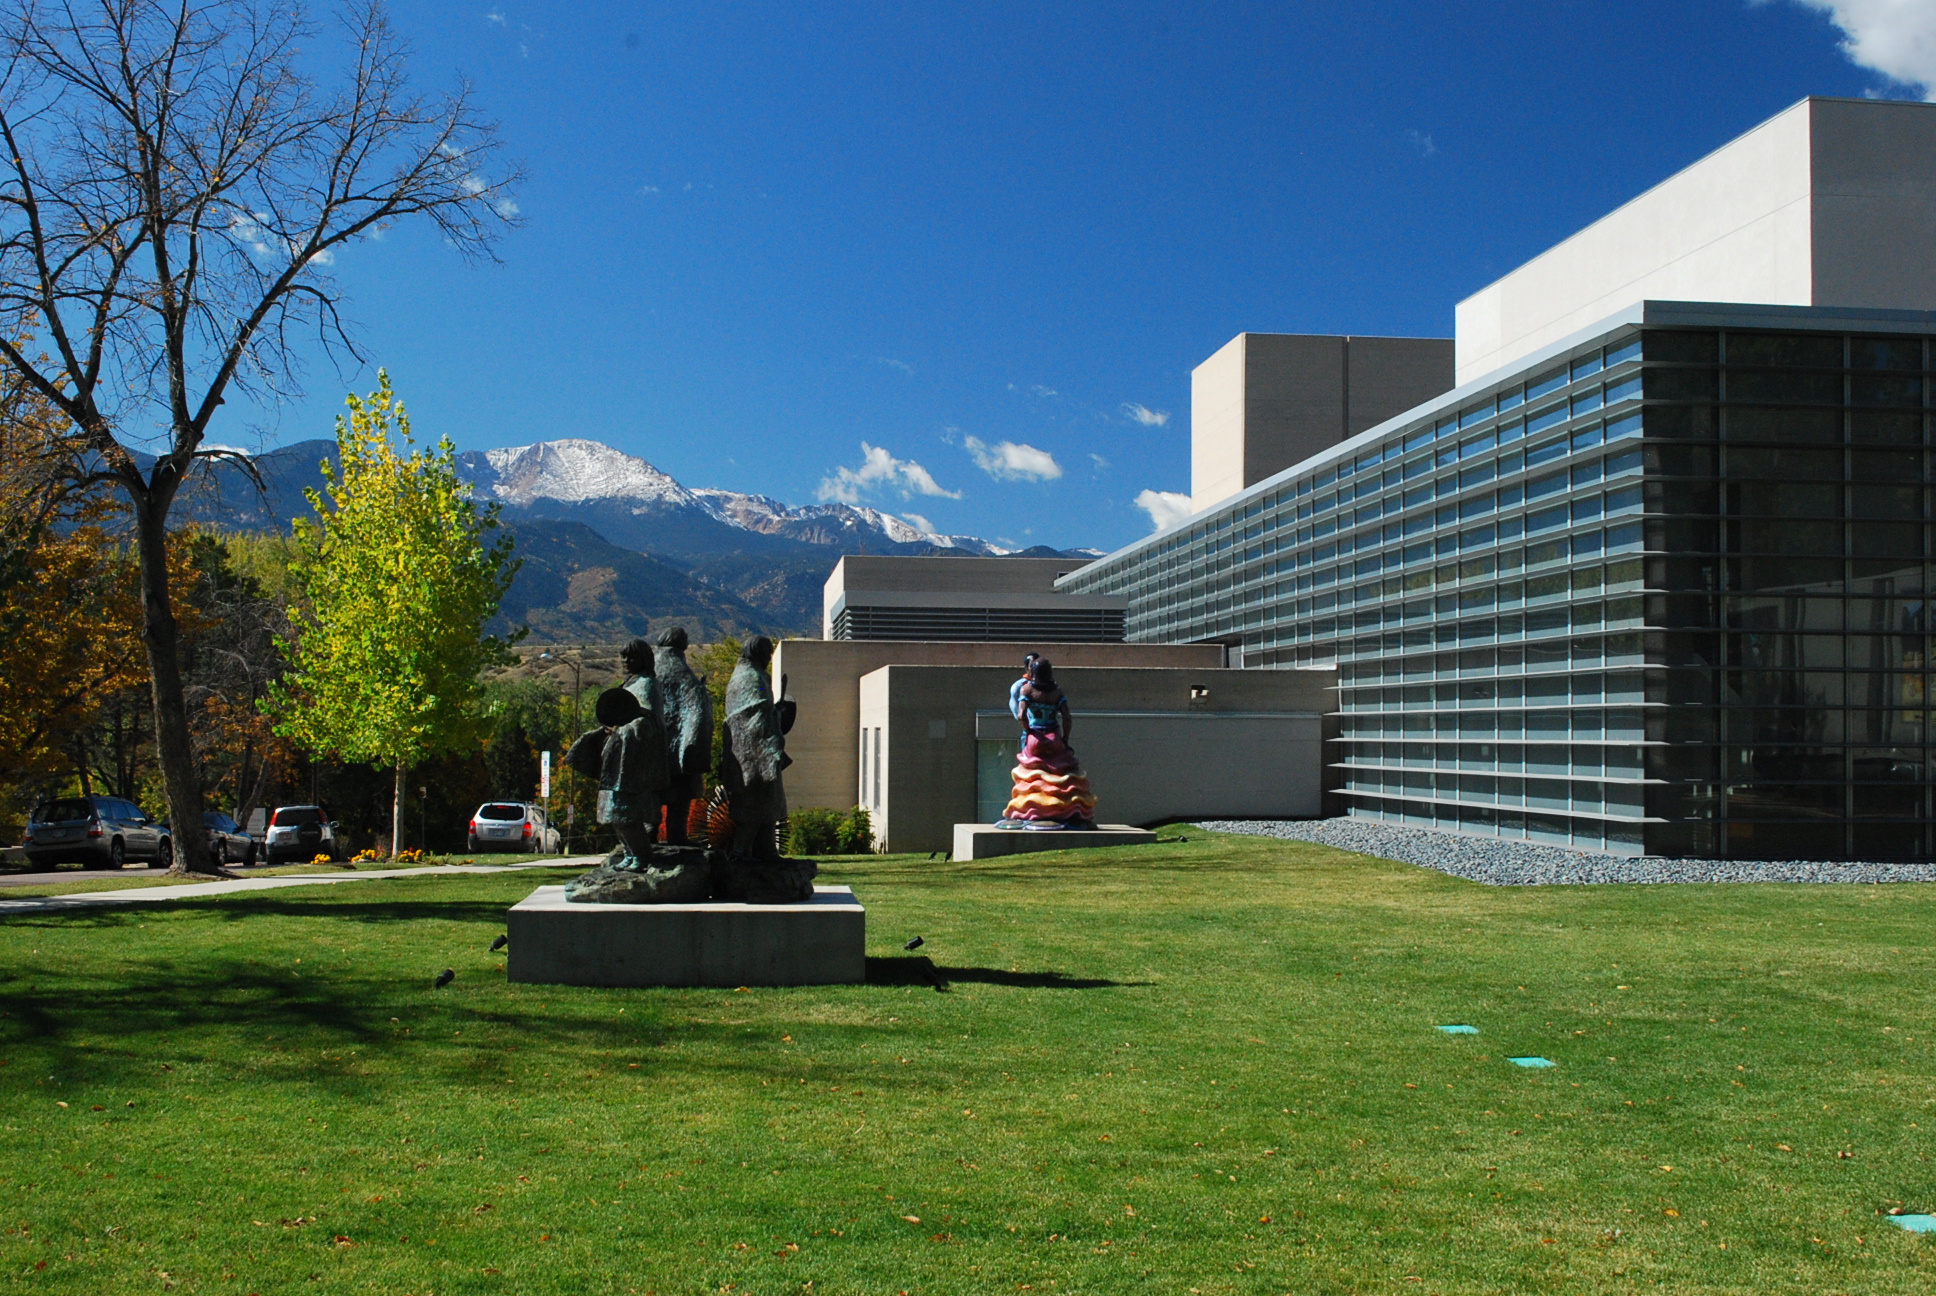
{"points": [[1499, 861]]}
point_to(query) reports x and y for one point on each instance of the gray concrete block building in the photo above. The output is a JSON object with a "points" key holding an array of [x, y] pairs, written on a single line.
{"points": [[1652, 577], [967, 599]]}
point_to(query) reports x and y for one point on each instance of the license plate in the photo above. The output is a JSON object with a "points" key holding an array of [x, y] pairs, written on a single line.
{"points": [[498, 832]]}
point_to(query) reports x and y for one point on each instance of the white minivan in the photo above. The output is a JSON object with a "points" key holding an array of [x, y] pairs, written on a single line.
{"points": [[513, 826]]}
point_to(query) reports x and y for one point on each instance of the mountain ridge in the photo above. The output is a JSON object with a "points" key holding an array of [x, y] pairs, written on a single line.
{"points": [[609, 540]]}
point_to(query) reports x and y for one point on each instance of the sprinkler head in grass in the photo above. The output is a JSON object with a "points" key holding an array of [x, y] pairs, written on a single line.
{"points": [[445, 977], [500, 943], [914, 944]]}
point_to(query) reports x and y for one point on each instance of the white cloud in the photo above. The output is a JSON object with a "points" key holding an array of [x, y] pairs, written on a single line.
{"points": [[1145, 415], [1894, 37], [249, 229], [1011, 461], [495, 18], [1422, 142], [1164, 507], [879, 469], [892, 363], [918, 522], [1100, 462], [1044, 392], [648, 189]]}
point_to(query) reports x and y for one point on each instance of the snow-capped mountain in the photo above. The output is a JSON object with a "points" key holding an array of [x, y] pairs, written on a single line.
{"points": [[574, 472], [580, 472]]}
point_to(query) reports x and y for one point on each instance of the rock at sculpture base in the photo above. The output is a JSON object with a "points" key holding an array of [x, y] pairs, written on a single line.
{"points": [[693, 875], [673, 875], [756, 881]]}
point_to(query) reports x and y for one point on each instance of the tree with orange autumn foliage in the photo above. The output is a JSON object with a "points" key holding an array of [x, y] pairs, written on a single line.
{"points": [[70, 598]]}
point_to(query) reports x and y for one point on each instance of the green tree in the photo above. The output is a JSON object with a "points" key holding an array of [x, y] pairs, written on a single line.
{"points": [[714, 663], [396, 579]]}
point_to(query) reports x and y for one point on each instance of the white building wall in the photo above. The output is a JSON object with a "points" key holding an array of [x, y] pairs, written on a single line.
{"points": [[1734, 227], [1217, 425]]}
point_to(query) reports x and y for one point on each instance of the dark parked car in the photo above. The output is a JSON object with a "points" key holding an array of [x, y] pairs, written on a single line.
{"points": [[97, 832], [228, 842], [299, 833]]}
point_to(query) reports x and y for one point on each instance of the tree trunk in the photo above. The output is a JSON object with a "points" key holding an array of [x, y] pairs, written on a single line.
{"points": [[161, 636], [396, 816]]}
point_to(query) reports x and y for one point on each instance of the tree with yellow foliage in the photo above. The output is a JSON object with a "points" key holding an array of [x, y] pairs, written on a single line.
{"points": [[397, 577]]}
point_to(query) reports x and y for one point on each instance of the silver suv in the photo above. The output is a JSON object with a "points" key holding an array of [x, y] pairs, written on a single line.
{"points": [[512, 826], [96, 832], [298, 834]]}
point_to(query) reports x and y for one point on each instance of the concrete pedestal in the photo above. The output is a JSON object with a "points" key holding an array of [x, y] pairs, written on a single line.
{"points": [[819, 942], [975, 841]]}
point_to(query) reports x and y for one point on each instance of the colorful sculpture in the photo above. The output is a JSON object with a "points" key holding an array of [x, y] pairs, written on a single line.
{"points": [[1051, 791]]}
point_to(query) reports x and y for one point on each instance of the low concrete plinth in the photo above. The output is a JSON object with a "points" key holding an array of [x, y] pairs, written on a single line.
{"points": [[819, 942], [975, 841]]}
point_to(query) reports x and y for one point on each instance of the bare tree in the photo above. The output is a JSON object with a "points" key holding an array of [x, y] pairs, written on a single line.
{"points": [[175, 186]]}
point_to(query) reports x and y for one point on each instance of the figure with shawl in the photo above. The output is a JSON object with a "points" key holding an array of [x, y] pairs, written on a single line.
{"points": [[754, 755], [688, 729]]}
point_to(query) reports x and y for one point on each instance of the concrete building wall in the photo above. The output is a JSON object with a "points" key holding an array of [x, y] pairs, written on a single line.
{"points": [[1385, 377], [1734, 226], [941, 582], [824, 676], [1265, 401], [1217, 424], [1156, 743], [1830, 203], [1874, 214]]}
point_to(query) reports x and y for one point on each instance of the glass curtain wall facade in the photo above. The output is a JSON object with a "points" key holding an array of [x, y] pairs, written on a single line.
{"points": [[1660, 593]]}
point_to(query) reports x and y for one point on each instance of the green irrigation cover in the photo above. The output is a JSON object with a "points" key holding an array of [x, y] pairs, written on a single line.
{"points": [[1915, 1223], [1531, 1062], [1460, 1030]]}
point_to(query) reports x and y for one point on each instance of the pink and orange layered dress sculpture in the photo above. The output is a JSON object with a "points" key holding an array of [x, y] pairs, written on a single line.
{"points": [[1051, 791]]}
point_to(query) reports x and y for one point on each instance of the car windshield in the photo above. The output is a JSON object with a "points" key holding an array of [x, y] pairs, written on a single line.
{"points": [[216, 819], [297, 816], [64, 811], [501, 812]]}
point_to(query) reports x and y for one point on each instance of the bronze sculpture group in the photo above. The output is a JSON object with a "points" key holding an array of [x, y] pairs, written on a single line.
{"points": [[649, 755]]}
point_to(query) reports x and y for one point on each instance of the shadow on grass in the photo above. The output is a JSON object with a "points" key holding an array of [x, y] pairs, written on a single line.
{"points": [[922, 970], [245, 906]]}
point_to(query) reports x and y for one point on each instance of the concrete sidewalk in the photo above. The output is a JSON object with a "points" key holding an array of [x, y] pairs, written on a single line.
{"points": [[199, 890]]}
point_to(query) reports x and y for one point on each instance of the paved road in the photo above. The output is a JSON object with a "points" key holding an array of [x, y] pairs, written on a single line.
{"points": [[197, 890], [75, 875]]}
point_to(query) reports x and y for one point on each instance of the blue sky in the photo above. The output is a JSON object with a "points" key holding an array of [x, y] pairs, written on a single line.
{"points": [[988, 242]]}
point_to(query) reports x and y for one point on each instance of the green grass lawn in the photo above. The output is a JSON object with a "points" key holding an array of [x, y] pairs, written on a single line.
{"points": [[1200, 1068]]}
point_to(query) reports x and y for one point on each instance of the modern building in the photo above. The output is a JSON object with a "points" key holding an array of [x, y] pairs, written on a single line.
{"points": [[832, 762], [1652, 577], [973, 599], [918, 732], [1157, 743]]}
